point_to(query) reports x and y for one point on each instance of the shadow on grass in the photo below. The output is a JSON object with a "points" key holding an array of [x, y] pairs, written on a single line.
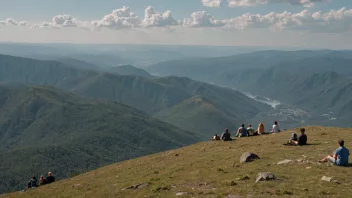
{"points": [[308, 144]]}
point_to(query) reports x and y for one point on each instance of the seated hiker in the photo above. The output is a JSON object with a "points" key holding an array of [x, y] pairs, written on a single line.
{"points": [[275, 128], [294, 137], [260, 129], [226, 136], [50, 178], [251, 131], [301, 140], [340, 157], [42, 180], [242, 132], [32, 183], [216, 137]]}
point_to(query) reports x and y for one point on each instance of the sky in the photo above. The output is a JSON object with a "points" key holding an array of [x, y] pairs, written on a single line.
{"points": [[280, 23]]}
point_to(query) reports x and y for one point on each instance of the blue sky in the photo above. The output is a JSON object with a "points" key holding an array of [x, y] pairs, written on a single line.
{"points": [[91, 9], [216, 25]]}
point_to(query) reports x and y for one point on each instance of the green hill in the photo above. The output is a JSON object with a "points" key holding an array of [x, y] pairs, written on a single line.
{"points": [[212, 169], [44, 129], [199, 114], [155, 96]]}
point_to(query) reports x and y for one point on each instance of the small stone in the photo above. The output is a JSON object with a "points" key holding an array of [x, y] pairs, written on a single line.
{"points": [[336, 182], [248, 157], [233, 196], [286, 161], [182, 193], [265, 176], [325, 178], [309, 167], [176, 154]]}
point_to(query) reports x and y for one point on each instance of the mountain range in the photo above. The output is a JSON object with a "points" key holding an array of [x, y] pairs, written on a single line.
{"points": [[156, 96]]}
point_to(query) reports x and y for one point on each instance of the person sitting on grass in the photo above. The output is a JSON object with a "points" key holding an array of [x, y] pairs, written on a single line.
{"points": [[216, 137], [301, 140], [251, 131], [340, 157], [242, 132], [275, 128], [50, 178], [33, 183], [42, 180], [260, 129], [226, 136]]}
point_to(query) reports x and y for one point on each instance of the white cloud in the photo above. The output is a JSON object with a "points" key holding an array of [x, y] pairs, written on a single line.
{"points": [[337, 21], [212, 3], [61, 21], [248, 3], [334, 20], [10, 21], [202, 19], [119, 19], [157, 19]]}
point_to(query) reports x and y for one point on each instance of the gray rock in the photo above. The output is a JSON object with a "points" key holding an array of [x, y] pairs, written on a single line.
{"points": [[327, 179], [265, 176], [182, 194], [234, 196], [286, 161], [248, 157]]}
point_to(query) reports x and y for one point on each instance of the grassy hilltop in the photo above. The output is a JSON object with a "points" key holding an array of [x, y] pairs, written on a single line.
{"points": [[212, 169]]}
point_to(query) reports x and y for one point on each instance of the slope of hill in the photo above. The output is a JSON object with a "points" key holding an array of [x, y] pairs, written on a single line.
{"points": [[129, 70], [149, 95], [212, 169], [78, 64], [200, 114], [44, 129]]}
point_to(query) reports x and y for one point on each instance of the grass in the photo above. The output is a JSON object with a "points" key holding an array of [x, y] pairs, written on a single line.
{"points": [[212, 169]]}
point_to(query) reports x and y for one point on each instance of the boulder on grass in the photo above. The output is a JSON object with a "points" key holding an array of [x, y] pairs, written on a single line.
{"points": [[248, 157], [265, 176]]}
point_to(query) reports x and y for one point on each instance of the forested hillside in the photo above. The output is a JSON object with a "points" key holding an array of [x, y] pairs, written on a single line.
{"points": [[44, 129]]}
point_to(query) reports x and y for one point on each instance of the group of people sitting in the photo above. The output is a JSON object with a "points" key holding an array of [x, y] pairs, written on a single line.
{"points": [[33, 183], [339, 157], [246, 132]]}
